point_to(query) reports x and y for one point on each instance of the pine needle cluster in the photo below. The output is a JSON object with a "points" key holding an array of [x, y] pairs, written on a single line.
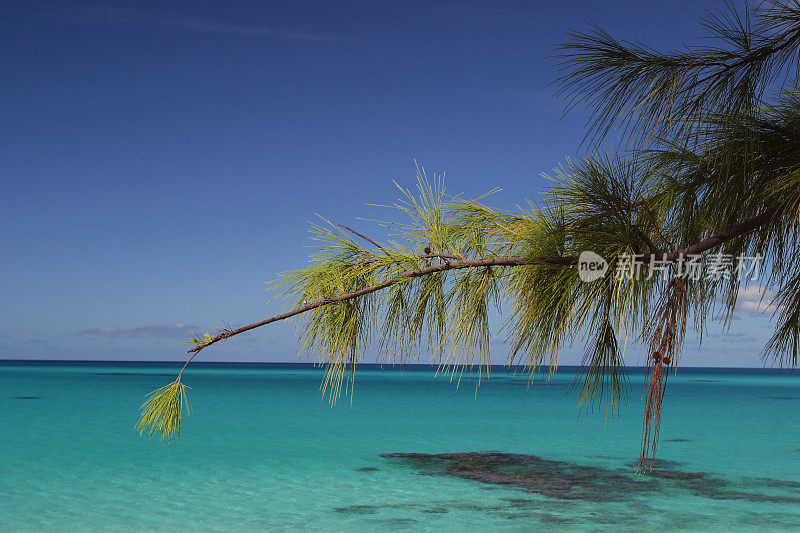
{"points": [[709, 163], [161, 413]]}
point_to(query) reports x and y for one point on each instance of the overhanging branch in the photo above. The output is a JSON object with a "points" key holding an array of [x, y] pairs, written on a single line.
{"points": [[433, 269], [745, 227]]}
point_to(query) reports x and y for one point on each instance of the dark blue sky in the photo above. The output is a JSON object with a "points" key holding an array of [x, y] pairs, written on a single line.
{"points": [[160, 161]]}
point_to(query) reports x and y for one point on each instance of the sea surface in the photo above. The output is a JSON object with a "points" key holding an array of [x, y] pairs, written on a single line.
{"points": [[263, 451]]}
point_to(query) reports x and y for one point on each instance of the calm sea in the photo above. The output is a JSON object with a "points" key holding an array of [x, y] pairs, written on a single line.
{"points": [[263, 452]]}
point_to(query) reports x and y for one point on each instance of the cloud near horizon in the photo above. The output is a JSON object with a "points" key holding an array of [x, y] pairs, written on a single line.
{"points": [[729, 336], [156, 331]]}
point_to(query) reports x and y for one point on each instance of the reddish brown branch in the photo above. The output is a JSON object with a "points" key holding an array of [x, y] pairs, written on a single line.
{"points": [[458, 264], [433, 269], [734, 231], [648, 241], [743, 60]]}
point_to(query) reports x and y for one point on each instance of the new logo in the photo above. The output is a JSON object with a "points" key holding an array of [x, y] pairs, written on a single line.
{"points": [[591, 266]]}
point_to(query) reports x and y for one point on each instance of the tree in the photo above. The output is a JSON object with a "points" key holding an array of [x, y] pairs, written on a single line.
{"points": [[708, 168]]}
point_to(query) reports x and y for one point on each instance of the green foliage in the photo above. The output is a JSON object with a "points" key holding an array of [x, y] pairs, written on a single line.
{"points": [[711, 142], [162, 411], [709, 153], [648, 93], [199, 341], [447, 312]]}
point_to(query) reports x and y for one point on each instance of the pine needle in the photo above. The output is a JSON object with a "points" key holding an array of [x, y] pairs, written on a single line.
{"points": [[162, 411]]}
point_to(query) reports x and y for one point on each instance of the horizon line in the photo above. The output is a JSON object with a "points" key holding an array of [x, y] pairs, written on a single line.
{"points": [[376, 364]]}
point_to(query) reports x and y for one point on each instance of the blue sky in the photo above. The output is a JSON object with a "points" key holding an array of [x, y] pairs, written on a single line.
{"points": [[161, 161]]}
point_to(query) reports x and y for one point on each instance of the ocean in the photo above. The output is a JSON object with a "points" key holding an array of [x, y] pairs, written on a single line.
{"points": [[263, 451]]}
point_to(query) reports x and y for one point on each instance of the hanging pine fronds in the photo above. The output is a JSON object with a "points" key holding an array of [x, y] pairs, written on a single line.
{"points": [[711, 168], [161, 413], [650, 94]]}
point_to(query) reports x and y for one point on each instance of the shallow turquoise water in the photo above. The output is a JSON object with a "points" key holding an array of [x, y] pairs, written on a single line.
{"points": [[261, 451]]}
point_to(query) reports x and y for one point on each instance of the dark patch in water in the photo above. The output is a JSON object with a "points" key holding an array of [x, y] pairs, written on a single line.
{"points": [[658, 464], [531, 473], [357, 509], [517, 516], [777, 483], [708, 380], [749, 496], [677, 440], [780, 397], [478, 507], [367, 469], [436, 510], [522, 503], [716, 489], [394, 521], [27, 398], [670, 474], [570, 481]]}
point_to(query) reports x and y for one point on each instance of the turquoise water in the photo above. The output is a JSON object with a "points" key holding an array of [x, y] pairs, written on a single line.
{"points": [[262, 452]]}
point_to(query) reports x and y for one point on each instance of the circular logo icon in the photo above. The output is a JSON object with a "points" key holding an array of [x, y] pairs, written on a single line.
{"points": [[591, 266]]}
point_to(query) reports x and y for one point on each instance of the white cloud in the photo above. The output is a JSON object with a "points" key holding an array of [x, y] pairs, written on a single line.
{"points": [[162, 331], [729, 336], [756, 299]]}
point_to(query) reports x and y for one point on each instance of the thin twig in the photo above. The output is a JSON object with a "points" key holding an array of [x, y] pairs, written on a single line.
{"points": [[646, 238], [351, 230], [443, 257]]}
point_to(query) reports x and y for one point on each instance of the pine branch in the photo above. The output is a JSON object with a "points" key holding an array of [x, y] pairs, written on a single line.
{"points": [[748, 226], [433, 269], [650, 94], [697, 248]]}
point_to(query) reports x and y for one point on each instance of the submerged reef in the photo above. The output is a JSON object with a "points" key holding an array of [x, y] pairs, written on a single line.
{"points": [[572, 481], [530, 473]]}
